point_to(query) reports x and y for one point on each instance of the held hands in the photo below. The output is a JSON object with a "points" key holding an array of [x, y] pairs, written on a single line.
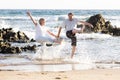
{"points": [[56, 37]]}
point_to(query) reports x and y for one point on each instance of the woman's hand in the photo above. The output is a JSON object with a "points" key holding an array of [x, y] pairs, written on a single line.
{"points": [[56, 37]]}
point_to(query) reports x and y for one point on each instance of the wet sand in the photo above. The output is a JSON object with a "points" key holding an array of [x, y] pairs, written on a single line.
{"points": [[96, 74]]}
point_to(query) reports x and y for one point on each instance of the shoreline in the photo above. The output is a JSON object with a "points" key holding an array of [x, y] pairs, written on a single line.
{"points": [[96, 74]]}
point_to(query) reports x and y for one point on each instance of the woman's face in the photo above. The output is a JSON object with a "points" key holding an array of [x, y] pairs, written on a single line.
{"points": [[42, 22]]}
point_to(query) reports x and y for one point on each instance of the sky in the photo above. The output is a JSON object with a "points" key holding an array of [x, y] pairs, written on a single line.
{"points": [[59, 4]]}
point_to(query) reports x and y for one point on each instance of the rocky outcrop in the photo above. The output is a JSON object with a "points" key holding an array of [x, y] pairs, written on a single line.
{"points": [[6, 47], [100, 25], [8, 35]]}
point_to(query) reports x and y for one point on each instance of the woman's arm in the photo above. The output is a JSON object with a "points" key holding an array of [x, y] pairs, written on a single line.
{"points": [[56, 36], [52, 34], [29, 14]]}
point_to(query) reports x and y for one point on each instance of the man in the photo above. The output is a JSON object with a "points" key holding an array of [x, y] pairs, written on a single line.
{"points": [[69, 25], [42, 34]]}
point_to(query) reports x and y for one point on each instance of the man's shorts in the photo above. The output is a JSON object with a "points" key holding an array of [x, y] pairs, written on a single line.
{"points": [[72, 36]]}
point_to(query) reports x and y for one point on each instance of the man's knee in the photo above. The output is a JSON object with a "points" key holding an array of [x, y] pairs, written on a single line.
{"points": [[69, 34]]}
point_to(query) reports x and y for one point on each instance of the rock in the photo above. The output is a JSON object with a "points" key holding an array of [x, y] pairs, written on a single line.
{"points": [[1, 35], [29, 48], [9, 35], [6, 47], [22, 36], [18, 50], [100, 25], [32, 40], [115, 31], [11, 50], [98, 22]]}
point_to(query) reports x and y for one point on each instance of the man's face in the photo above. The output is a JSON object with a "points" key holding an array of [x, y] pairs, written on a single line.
{"points": [[70, 17]]}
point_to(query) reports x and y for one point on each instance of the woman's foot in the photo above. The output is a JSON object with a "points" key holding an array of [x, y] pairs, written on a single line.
{"points": [[59, 40]]}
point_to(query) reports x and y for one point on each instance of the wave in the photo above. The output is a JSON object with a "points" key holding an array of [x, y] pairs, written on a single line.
{"points": [[93, 36], [3, 24], [47, 17], [14, 18], [56, 17]]}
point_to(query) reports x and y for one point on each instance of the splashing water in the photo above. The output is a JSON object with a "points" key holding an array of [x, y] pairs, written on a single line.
{"points": [[46, 52]]}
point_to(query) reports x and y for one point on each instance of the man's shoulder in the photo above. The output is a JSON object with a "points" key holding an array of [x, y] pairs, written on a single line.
{"points": [[75, 19], [66, 20]]}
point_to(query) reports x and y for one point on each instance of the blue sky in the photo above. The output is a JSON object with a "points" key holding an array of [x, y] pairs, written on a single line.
{"points": [[59, 4]]}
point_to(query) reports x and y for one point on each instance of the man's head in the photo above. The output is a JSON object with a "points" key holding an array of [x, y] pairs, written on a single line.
{"points": [[70, 16], [42, 21]]}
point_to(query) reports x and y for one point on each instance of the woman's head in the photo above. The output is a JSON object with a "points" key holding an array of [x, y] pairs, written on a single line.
{"points": [[42, 21]]}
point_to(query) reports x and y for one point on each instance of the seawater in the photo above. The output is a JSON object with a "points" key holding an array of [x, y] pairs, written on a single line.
{"points": [[94, 50]]}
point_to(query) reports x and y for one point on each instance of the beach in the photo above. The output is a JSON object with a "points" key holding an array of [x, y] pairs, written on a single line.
{"points": [[98, 74], [97, 56]]}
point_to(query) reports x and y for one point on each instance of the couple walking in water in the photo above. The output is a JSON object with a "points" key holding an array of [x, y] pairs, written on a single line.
{"points": [[44, 35]]}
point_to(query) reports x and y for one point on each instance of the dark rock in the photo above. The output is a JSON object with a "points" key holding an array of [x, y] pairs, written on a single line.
{"points": [[11, 50], [22, 37], [8, 35], [29, 48], [32, 40], [115, 31], [98, 22], [100, 25], [18, 50]]}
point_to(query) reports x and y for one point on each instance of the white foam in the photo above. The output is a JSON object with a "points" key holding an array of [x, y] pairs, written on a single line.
{"points": [[14, 17], [30, 34], [3, 24], [93, 36], [52, 52], [50, 19]]}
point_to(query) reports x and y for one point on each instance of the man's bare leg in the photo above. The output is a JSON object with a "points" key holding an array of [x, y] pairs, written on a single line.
{"points": [[73, 51]]}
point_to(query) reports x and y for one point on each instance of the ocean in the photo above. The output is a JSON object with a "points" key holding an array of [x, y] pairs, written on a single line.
{"points": [[94, 50]]}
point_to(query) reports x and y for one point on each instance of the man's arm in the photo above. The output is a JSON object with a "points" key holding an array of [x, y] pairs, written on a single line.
{"points": [[86, 23], [29, 14], [59, 31]]}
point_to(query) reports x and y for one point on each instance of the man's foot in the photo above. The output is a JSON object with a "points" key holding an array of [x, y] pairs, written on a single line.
{"points": [[77, 31]]}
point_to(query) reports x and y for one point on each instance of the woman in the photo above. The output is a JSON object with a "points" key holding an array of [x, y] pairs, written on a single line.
{"points": [[42, 33]]}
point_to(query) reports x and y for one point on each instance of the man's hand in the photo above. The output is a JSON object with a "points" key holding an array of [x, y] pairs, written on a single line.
{"points": [[91, 25]]}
